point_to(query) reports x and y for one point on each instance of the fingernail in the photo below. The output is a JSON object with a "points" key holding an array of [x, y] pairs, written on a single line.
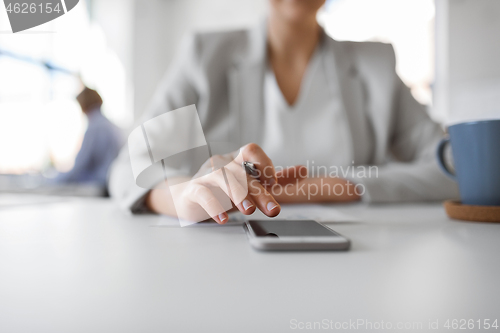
{"points": [[247, 204], [222, 217], [271, 205]]}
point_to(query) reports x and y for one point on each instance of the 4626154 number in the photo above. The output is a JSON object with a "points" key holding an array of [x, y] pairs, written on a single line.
{"points": [[471, 324], [32, 8]]}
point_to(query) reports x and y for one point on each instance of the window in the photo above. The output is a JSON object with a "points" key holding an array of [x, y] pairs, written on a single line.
{"points": [[41, 124], [407, 24]]}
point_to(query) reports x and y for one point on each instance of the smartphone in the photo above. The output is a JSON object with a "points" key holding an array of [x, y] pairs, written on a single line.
{"points": [[271, 235]]}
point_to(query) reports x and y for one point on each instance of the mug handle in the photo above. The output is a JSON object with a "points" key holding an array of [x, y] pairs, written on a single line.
{"points": [[440, 157]]}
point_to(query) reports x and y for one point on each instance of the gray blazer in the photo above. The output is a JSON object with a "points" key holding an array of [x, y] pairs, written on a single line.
{"points": [[222, 73]]}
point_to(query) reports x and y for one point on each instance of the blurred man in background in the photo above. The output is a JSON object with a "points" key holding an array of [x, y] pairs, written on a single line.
{"points": [[100, 146]]}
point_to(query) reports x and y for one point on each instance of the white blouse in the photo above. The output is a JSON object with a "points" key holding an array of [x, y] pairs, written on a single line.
{"points": [[314, 131]]}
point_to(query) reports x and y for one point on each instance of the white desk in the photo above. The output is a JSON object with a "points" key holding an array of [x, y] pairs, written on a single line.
{"points": [[84, 266]]}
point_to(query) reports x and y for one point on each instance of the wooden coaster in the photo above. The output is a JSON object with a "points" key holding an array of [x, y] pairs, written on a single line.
{"points": [[456, 210]]}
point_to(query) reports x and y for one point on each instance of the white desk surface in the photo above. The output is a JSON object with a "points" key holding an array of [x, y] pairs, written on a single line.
{"points": [[85, 266]]}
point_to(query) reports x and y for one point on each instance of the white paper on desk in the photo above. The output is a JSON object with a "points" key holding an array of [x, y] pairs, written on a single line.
{"points": [[167, 221], [320, 213]]}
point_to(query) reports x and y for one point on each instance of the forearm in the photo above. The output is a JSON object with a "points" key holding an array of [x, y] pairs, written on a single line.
{"points": [[315, 190], [407, 182], [159, 200]]}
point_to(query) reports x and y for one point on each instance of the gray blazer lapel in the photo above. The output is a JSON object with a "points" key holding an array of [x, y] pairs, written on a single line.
{"points": [[343, 67], [246, 84], [246, 103]]}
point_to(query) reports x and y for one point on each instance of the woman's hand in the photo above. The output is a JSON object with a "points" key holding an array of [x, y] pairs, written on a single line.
{"points": [[219, 184], [222, 184]]}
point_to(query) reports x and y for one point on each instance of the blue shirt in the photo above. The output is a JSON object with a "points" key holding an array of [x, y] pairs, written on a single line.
{"points": [[101, 145]]}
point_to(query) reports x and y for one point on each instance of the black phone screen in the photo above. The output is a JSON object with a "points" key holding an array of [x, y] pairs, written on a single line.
{"points": [[290, 228]]}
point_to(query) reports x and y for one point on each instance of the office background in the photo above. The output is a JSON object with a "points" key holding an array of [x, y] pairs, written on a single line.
{"points": [[82, 264], [447, 52]]}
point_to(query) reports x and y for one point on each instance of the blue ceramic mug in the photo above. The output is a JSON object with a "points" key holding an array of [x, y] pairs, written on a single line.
{"points": [[476, 155]]}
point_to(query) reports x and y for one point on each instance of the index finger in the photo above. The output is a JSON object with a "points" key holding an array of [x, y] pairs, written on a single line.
{"points": [[253, 153]]}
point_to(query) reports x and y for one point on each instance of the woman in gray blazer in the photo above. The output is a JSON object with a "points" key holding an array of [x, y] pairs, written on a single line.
{"points": [[298, 103]]}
